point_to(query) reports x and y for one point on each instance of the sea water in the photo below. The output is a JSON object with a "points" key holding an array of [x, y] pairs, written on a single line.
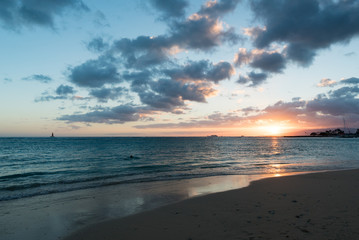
{"points": [[38, 166]]}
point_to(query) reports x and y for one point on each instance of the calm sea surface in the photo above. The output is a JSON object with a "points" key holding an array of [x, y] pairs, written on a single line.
{"points": [[36, 166]]}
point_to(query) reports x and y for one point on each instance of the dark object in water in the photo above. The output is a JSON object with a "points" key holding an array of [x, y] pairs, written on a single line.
{"points": [[131, 156], [52, 135]]}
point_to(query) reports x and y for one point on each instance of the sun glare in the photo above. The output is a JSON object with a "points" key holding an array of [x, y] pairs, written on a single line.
{"points": [[274, 130]]}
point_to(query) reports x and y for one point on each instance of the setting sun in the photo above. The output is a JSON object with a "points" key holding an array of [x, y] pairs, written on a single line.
{"points": [[274, 130]]}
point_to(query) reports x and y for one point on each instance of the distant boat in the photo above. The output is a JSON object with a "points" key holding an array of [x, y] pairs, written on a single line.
{"points": [[52, 135]]}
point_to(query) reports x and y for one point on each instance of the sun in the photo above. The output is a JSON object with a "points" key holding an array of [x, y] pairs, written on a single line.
{"points": [[274, 130]]}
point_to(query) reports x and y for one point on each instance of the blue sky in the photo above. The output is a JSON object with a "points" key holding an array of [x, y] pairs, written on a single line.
{"points": [[177, 67]]}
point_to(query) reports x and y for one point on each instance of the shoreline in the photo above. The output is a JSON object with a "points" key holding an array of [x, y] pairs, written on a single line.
{"points": [[320, 205], [56, 215]]}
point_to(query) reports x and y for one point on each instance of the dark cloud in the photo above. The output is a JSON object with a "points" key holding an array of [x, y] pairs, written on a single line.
{"points": [[270, 62], [305, 25], [161, 102], [64, 90], [61, 93], [347, 92], [352, 80], [242, 57], [186, 91], [202, 70], [15, 14], [168, 95], [139, 80], [97, 45], [201, 32], [119, 114], [220, 71], [170, 8], [38, 77], [334, 106], [105, 94], [198, 32], [301, 54], [253, 79], [147, 63], [47, 98], [143, 51], [267, 61], [94, 73]]}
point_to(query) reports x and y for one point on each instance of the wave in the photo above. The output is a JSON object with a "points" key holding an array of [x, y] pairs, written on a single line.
{"points": [[22, 175]]}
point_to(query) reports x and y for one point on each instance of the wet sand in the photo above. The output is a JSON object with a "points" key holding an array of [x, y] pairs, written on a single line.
{"points": [[310, 206], [54, 216]]}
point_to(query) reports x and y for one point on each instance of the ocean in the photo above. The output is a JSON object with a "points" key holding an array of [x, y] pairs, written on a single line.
{"points": [[39, 166]]}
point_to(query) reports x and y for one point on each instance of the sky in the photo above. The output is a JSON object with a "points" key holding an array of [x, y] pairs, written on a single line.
{"points": [[178, 67]]}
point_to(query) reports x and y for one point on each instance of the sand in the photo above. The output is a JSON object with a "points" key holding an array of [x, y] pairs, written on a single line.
{"points": [[310, 206], [54, 216]]}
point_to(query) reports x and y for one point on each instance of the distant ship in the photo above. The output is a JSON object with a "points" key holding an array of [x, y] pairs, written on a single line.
{"points": [[52, 135]]}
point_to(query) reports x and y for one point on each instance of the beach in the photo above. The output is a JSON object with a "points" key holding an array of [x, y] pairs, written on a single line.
{"points": [[53, 216], [309, 206], [50, 189]]}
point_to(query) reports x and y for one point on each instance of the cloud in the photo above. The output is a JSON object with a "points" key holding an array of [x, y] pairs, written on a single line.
{"points": [[213, 120], [200, 31], [94, 73], [268, 61], [170, 8], [254, 79], [168, 95], [61, 92], [347, 92], [139, 80], [15, 14], [326, 82], [105, 94], [64, 90], [249, 110], [349, 54], [97, 45], [147, 64], [119, 114], [352, 80], [334, 106], [100, 19], [325, 110], [201, 70], [47, 98], [38, 77], [143, 51], [305, 26], [218, 8], [242, 57]]}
